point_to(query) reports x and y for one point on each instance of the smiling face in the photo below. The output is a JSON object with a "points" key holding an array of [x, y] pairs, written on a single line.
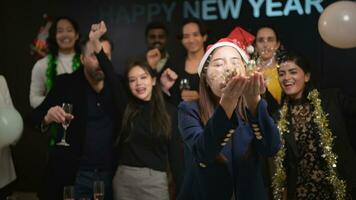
{"points": [[156, 38], [266, 43], [224, 61], [292, 79], [66, 36], [192, 39], [141, 83]]}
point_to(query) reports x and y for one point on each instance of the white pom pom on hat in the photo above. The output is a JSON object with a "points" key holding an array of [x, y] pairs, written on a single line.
{"points": [[250, 49]]}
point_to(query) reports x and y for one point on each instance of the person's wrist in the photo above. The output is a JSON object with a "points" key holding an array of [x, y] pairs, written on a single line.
{"points": [[253, 98], [46, 120], [97, 45], [166, 88], [44, 124], [252, 102]]}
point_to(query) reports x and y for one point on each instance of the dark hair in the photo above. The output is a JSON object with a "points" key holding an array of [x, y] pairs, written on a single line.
{"points": [[202, 29], [160, 124], [278, 38], [83, 44], [155, 25], [302, 62], [51, 40]]}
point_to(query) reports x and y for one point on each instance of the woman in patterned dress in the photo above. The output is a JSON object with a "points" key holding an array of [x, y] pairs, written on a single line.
{"points": [[316, 160]]}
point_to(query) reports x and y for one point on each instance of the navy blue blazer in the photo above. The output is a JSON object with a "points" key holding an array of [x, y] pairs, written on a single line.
{"points": [[207, 177]]}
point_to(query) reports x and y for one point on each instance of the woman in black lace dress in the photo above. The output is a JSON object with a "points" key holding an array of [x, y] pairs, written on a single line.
{"points": [[317, 160]]}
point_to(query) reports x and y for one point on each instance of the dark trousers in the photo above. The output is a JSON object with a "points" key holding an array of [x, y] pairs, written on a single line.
{"points": [[60, 172]]}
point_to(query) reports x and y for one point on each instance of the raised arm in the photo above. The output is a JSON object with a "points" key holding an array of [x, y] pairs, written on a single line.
{"points": [[266, 137], [116, 81]]}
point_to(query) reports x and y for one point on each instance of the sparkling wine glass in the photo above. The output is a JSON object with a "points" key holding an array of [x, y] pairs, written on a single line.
{"points": [[68, 193], [99, 190], [184, 84], [68, 108]]}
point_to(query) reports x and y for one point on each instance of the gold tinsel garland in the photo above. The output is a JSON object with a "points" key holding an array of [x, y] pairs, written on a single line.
{"points": [[326, 137], [280, 175]]}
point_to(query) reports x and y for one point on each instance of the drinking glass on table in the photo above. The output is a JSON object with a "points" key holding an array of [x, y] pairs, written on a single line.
{"points": [[68, 192], [99, 188], [11, 198]]}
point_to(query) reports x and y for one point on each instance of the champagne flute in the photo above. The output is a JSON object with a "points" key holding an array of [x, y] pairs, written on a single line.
{"points": [[99, 190], [68, 193], [68, 108], [184, 84]]}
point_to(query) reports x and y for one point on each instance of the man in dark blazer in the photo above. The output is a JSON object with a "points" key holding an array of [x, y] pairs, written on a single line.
{"points": [[91, 134]]}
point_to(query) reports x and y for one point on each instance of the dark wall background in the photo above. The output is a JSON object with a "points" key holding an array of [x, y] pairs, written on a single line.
{"points": [[20, 21]]}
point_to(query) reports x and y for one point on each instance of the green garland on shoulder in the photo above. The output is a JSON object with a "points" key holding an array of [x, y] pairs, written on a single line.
{"points": [[326, 142], [51, 73], [279, 177], [52, 69]]}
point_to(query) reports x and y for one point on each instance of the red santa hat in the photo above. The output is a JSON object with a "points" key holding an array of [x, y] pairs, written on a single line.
{"points": [[244, 38], [239, 39]]}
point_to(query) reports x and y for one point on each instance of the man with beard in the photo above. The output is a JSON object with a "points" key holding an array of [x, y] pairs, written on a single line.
{"points": [[156, 38], [158, 58], [91, 132]]}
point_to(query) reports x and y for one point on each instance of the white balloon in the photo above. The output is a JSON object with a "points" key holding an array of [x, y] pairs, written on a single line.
{"points": [[337, 24], [11, 126]]}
